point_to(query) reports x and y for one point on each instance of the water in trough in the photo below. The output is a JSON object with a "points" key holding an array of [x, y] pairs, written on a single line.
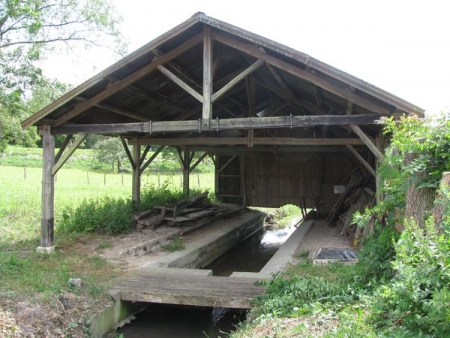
{"points": [[191, 322]]}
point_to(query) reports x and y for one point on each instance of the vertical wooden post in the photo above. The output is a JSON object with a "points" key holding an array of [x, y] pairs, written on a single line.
{"points": [[136, 188], [207, 78], [48, 191], [242, 173], [186, 165], [216, 176], [378, 180]]}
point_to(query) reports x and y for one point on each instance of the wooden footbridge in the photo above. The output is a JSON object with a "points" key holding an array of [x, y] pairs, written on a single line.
{"points": [[188, 287]]}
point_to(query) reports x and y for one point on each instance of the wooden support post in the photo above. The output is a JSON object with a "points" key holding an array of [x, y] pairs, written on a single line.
{"points": [[186, 163], [378, 180], [207, 78], [216, 176], [136, 188], [48, 191], [242, 173]]}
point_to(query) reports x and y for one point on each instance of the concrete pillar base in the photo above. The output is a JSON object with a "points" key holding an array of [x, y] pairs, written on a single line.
{"points": [[45, 249]]}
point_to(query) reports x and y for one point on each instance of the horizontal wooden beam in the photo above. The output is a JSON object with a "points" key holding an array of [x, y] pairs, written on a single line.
{"points": [[285, 150], [296, 71], [243, 123], [267, 141], [115, 87]]}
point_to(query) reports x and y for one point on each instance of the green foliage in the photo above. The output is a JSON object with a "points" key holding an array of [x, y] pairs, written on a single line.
{"points": [[419, 294], [376, 255], [106, 215], [111, 151], [152, 196], [29, 31], [176, 244]]}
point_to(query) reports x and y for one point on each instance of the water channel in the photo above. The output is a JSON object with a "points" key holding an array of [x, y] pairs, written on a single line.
{"points": [[191, 322]]}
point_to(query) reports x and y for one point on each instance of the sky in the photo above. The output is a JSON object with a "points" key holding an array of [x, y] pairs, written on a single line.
{"points": [[400, 46]]}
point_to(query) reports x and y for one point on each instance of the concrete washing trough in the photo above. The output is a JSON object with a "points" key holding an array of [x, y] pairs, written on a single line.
{"points": [[221, 237]]}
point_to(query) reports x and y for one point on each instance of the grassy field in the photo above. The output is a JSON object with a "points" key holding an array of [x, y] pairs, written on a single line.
{"points": [[20, 201]]}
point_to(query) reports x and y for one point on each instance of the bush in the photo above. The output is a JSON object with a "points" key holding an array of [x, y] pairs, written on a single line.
{"points": [[418, 297], [106, 215]]}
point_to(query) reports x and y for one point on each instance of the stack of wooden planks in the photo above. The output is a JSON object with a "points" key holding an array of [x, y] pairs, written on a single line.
{"points": [[183, 213]]}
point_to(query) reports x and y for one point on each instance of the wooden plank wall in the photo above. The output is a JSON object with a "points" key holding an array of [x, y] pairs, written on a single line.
{"points": [[230, 181], [276, 180]]}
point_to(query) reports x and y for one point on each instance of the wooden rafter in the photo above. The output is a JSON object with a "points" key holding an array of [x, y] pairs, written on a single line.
{"points": [[361, 160], [318, 97], [367, 141], [237, 79], [180, 82], [300, 103], [119, 85], [298, 72]]}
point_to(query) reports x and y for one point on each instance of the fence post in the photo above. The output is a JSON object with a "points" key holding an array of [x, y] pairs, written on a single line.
{"points": [[104, 179], [87, 176]]}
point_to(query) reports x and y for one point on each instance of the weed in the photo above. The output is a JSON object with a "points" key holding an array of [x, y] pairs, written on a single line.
{"points": [[104, 245], [176, 244]]}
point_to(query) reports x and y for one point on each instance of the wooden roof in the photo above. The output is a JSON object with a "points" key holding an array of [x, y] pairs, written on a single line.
{"points": [[157, 94]]}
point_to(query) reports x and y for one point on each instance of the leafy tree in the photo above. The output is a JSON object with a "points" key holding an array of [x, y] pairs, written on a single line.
{"points": [[110, 150], [29, 31]]}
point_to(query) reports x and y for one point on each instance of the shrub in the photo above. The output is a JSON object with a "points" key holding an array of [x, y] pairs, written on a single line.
{"points": [[419, 294], [106, 215]]}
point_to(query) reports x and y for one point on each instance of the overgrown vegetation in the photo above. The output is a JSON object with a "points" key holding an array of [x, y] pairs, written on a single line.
{"points": [[401, 285]]}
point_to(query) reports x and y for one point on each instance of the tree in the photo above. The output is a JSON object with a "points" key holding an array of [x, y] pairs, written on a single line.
{"points": [[30, 30], [110, 150]]}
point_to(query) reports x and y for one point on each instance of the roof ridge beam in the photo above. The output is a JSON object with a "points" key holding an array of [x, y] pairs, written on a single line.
{"points": [[121, 84]]}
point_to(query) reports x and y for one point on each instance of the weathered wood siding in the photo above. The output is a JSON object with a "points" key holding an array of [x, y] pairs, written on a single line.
{"points": [[276, 180]]}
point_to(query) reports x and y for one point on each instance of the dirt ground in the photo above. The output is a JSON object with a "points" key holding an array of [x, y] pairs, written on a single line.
{"points": [[321, 235]]}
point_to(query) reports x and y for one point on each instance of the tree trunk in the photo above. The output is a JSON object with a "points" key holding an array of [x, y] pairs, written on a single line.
{"points": [[439, 203], [419, 201], [119, 165]]}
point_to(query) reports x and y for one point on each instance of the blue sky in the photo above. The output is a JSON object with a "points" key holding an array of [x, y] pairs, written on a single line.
{"points": [[401, 46]]}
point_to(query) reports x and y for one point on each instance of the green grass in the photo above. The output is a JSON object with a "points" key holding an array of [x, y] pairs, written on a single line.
{"points": [[176, 244]]}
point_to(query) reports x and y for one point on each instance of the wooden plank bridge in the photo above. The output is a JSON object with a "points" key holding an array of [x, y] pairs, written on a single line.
{"points": [[170, 286]]}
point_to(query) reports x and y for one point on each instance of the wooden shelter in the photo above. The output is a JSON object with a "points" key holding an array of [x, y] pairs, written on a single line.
{"points": [[281, 126]]}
